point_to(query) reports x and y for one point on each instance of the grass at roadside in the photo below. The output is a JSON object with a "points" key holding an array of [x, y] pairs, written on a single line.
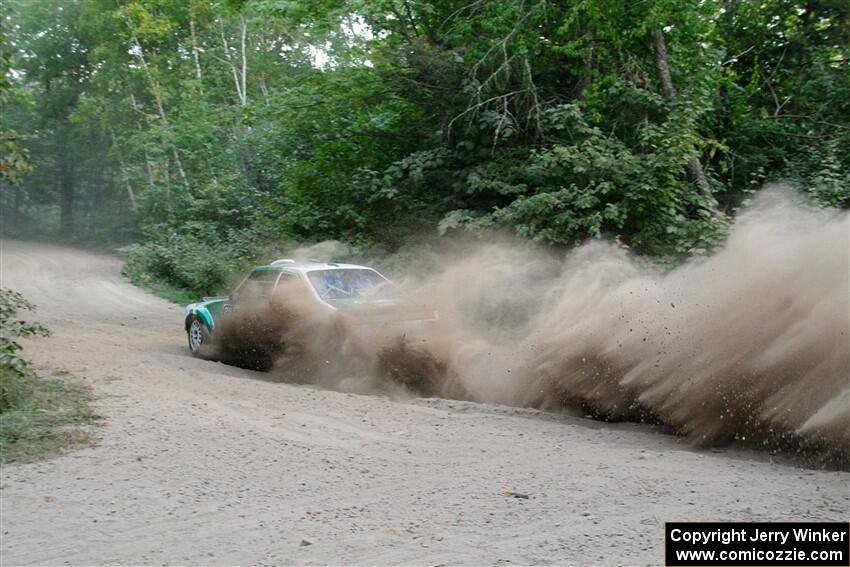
{"points": [[41, 415], [166, 291]]}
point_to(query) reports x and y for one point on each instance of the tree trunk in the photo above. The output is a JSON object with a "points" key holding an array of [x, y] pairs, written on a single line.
{"points": [[156, 87], [662, 70], [244, 61], [196, 56], [264, 89], [66, 183], [240, 83], [586, 79], [148, 162], [662, 67], [157, 91], [131, 195]]}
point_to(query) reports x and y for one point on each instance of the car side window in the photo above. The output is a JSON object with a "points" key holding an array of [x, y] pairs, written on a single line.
{"points": [[264, 276], [288, 282], [257, 286], [286, 277]]}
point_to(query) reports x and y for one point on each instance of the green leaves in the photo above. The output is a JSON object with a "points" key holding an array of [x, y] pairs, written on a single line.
{"points": [[11, 328], [14, 160], [372, 121]]}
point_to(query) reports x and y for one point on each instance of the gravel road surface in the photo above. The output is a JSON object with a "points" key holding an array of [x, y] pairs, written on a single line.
{"points": [[197, 462]]}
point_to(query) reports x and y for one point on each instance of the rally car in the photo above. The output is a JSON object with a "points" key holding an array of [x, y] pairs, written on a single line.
{"points": [[359, 293]]}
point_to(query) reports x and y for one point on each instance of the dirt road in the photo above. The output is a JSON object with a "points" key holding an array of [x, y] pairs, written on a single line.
{"points": [[201, 463]]}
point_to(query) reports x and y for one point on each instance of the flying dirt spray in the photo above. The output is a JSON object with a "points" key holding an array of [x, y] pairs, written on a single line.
{"points": [[751, 343]]}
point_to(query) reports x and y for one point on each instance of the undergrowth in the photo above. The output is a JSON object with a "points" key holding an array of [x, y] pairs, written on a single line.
{"points": [[41, 415], [37, 415]]}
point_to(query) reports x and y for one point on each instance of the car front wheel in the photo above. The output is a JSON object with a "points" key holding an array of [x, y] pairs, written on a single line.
{"points": [[199, 336]]}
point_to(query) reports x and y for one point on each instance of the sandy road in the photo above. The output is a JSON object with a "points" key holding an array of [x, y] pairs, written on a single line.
{"points": [[201, 463]]}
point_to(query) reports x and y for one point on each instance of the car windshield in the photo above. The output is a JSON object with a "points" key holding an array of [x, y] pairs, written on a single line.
{"points": [[348, 283]]}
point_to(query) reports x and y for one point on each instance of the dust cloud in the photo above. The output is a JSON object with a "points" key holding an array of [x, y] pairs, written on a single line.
{"points": [[750, 344]]}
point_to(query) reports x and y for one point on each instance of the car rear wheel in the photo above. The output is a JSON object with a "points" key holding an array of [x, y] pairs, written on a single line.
{"points": [[198, 336]]}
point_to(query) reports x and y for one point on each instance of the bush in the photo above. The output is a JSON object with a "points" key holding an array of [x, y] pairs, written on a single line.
{"points": [[10, 329], [180, 260]]}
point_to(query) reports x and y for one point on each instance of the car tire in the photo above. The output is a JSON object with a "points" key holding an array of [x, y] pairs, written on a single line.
{"points": [[198, 336]]}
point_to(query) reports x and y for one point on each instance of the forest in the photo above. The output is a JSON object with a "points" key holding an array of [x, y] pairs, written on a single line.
{"points": [[202, 136]]}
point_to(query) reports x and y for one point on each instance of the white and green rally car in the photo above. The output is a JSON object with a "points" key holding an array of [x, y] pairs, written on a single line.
{"points": [[354, 290]]}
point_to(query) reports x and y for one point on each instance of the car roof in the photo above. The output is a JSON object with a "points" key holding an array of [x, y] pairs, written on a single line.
{"points": [[310, 266]]}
